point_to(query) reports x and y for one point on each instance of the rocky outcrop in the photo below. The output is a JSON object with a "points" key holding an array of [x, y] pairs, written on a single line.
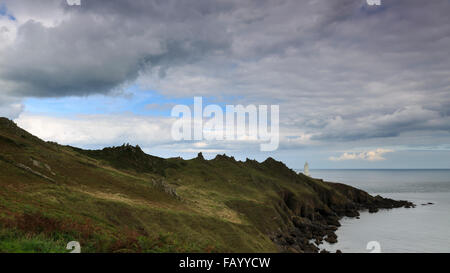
{"points": [[161, 183], [128, 157], [30, 170], [313, 224]]}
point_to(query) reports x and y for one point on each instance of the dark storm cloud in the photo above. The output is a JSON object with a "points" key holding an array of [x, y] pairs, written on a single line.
{"points": [[385, 125], [105, 44]]}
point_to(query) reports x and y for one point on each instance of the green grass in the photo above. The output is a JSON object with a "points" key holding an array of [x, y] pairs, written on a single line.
{"points": [[13, 242]]}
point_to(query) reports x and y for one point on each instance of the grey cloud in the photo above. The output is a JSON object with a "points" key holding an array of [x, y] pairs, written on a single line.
{"points": [[10, 107], [388, 125], [104, 45], [340, 70]]}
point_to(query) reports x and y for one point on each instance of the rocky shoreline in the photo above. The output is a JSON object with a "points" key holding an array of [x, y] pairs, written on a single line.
{"points": [[239, 206], [311, 229]]}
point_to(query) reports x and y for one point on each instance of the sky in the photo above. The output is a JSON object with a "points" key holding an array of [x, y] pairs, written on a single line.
{"points": [[358, 86]]}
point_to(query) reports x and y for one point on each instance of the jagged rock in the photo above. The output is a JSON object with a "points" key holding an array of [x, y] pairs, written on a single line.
{"points": [[166, 188], [318, 240], [331, 238], [290, 240], [28, 169], [294, 250]]}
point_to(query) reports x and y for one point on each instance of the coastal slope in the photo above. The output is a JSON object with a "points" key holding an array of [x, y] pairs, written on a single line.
{"points": [[120, 199]]}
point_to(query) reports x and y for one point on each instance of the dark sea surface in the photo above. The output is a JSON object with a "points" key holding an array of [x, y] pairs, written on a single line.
{"points": [[420, 229]]}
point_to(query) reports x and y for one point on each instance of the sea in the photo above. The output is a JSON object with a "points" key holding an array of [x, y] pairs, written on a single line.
{"points": [[423, 229]]}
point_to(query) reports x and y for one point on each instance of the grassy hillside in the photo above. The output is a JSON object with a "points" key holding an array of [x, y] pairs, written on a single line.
{"points": [[122, 200]]}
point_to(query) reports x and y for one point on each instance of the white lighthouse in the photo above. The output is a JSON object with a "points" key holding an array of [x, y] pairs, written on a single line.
{"points": [[306, 169]]}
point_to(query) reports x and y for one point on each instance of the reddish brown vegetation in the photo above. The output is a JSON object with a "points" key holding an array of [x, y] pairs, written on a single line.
{"points": [[37, 223]]}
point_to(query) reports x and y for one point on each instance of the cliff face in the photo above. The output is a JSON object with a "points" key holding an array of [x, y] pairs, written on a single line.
{"points": [[120, 199]]}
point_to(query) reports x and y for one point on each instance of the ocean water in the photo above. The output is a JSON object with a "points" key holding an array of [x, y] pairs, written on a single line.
{"points": [[415, 230]]}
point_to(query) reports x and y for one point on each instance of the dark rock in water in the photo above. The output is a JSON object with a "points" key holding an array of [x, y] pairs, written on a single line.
{"points": [[351, 213], [318, 241], [331, 238], [333, 228], [333, 221], [373, 210], [324, 251], [338, 251]]}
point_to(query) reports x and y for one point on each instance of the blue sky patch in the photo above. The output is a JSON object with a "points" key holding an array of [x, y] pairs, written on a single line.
{"points": [[4, 12], [136, 101]]}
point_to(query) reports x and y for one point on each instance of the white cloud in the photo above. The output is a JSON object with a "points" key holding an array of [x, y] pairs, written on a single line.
{"points": [[374, 155], [99, 130]]}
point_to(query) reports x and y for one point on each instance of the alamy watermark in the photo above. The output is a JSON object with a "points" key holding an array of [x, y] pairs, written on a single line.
{"points": [[74, 246], [374, 246], [241, 123], [373, 2], [73, 2]]}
